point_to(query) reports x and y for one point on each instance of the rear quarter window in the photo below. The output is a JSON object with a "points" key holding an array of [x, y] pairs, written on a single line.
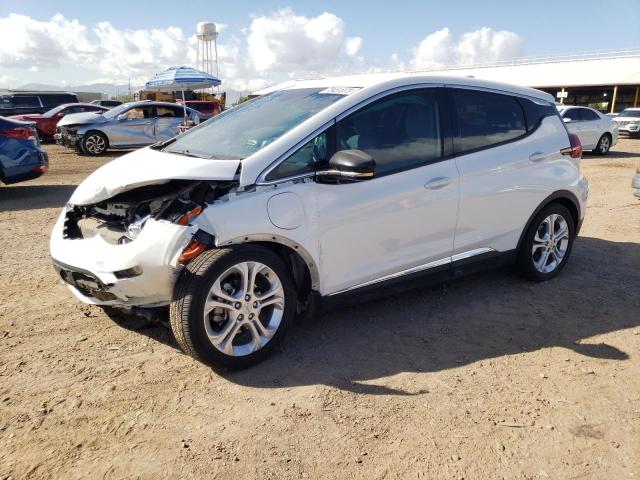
{"points": [[484, 119]]}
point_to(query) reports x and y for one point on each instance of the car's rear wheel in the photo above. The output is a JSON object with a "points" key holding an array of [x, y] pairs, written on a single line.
{"points": [[604, 144], [547, 243], [94, 143], [232, 306]]}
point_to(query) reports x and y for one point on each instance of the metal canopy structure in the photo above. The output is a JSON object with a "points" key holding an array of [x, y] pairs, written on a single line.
{"points": [[608, 80]]}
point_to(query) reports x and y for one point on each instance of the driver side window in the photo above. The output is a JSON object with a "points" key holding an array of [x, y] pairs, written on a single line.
{"points": [[305, 160]]}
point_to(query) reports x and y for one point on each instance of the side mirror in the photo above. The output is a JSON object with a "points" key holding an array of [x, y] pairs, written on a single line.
{"points": [[566, 120], [122, 117], [350, 165]]}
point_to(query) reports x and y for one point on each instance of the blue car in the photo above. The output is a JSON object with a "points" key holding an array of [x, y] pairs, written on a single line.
{"points": [[21, 157]]}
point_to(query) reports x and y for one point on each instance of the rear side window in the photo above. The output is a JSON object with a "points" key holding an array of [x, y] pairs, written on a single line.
{"points": [[574, 114], [485, 119], [25, 101], [588, 115], [169, 112]]}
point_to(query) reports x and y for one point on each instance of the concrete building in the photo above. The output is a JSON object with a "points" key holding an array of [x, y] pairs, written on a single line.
{"points": [[608, 81]]}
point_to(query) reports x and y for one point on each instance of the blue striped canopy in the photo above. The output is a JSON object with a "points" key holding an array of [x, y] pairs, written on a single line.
{"points": [[181, 78]]}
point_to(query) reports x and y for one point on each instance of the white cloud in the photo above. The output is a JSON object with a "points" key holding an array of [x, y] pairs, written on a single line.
{"points": [[6, 80], [478, 46], [287, 43], [271, 48]]}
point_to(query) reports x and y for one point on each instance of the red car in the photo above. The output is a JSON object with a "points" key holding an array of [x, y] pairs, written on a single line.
{"points": [[46, 122]]}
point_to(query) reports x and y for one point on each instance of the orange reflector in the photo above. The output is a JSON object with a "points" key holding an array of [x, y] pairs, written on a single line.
{"points": [[187, 217], [40, 169], [191, 251]]}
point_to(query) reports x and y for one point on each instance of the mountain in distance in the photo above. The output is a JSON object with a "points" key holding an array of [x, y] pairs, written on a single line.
{"points": [[108, 90]]}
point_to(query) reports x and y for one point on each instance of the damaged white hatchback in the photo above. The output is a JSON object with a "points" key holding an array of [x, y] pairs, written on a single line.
{"points": [[323, 190]]}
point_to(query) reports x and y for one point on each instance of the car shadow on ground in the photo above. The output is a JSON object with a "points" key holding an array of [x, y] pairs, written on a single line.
{"points": [[479, 318], [33, 197]]}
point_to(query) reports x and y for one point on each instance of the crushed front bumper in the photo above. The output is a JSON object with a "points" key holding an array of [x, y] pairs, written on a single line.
{"points": [[67, 139], [139, 273]]}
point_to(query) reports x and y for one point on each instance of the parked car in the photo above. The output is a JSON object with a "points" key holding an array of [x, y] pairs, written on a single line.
{"points": [[628, 121], [21, 157], [206, 108], [107, 103], [25, 102], [596, 131], [635, 182], [46, 122], [130, 125], [322, 191]]}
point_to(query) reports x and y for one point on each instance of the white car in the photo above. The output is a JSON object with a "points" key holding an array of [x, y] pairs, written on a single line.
{"points": [[628, 121], [596, 131], [322, 191]]}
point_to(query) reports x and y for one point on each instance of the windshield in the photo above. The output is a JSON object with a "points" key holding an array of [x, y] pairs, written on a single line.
{"points": [[630, 113], [253, 125], [114, 112]]}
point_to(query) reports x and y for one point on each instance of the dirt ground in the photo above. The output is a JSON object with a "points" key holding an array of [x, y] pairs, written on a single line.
{"points": [[490, 377]]}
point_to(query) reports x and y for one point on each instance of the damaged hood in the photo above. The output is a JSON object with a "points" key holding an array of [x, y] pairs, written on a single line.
{"points": [[148, 167], [80, 119]]}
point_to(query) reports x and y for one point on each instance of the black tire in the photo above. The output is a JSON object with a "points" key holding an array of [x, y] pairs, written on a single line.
{"points": [[526, 262], [94, 144], [604, 145], [186, 313]]}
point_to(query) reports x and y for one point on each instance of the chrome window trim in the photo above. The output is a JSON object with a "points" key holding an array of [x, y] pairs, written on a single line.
{"points": [[419, 268], [261, 178]]}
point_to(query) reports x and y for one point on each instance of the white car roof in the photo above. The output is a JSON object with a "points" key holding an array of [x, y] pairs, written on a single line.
{"points": [[399, 79], [364, 87]]}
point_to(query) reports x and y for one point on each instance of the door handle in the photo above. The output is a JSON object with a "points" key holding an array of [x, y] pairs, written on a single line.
{"points": [[437, 183], [537, 157]]}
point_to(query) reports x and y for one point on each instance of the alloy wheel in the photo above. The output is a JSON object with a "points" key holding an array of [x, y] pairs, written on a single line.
{"points": [[244, 308], [550, 243], [94, 144], [605, 145]]}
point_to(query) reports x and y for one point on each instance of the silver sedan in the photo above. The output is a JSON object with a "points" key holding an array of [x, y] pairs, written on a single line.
{"points": [[131, 125]]}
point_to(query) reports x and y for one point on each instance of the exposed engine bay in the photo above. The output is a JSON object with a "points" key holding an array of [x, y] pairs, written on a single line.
{"points": [[120, 219]]}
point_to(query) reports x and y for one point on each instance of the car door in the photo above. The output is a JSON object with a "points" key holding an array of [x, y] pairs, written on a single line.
{"points": [[167, 119], [132, 128], [573, 118], [591, 127], [403, 219], [500, 165]]}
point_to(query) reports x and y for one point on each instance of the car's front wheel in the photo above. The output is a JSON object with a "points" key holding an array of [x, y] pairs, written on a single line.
{"points": [[547, 243], [94, 143], [232, 306], [604, 144]]}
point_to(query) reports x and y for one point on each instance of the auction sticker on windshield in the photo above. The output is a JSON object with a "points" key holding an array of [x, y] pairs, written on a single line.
{"points": [[340, 90]]}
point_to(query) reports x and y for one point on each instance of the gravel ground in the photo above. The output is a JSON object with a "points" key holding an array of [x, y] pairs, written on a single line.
{"points": [[489, 377]]}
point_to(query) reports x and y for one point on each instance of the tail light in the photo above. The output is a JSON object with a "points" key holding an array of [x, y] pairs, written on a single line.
{"points": [[21, 133], [575, 150]]}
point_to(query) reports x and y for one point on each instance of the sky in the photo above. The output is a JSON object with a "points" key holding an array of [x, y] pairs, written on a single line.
{"points": [[70, 42]]}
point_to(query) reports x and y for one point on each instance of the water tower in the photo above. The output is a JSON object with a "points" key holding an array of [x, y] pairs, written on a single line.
{"points": [[207, 38]]}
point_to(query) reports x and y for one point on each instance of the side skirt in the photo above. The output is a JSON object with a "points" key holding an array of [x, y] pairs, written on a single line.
{"points": [[438, 275]]}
